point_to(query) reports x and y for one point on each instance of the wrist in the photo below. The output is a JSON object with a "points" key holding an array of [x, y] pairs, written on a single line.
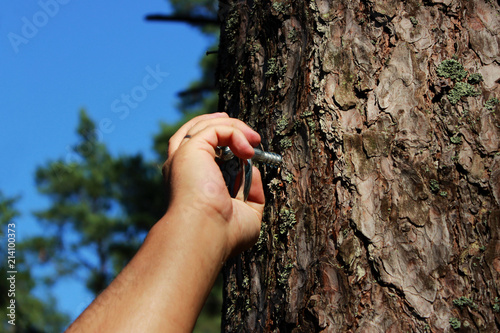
{"points": [[200, 232]]}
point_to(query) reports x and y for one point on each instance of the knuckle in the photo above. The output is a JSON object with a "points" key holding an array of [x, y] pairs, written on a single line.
{"points": [[170, 149]]}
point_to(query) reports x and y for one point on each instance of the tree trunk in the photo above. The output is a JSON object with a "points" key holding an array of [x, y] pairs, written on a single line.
{"points": [[385, 214]]}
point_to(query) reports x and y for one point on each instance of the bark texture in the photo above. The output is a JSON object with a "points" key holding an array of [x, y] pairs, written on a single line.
{"points": [[385, 215]]}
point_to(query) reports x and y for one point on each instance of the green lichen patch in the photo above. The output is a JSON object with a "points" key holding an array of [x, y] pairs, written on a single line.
{"points": [[281, 124], [293, 35], [475, 78], [281, 7], [274, 184], [285, 143], [231, 30], [288, 178], [452, 69], [462, 89], [463, 301], [283, 275], [434, 185], [272, 67], [491, 104], [455, 71], [262, 241], [455, 323], [306, 114], [288, 220], [456, 139], [496, 305]]}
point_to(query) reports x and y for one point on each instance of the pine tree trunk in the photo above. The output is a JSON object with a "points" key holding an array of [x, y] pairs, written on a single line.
{"points": [[385, 215]]}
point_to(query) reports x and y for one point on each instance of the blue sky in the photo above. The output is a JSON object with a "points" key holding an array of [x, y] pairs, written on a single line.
{"points": [[58, 56]]}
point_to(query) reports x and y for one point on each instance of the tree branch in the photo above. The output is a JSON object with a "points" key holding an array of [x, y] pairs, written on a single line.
{"points": [[194, 20], [196, 91]]}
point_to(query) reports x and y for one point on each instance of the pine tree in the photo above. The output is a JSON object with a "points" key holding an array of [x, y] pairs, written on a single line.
{"points": [[385, 214], [102, 207]]}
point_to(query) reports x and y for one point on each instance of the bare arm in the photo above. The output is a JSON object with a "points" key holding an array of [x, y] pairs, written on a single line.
{"points": [[165, 285]]}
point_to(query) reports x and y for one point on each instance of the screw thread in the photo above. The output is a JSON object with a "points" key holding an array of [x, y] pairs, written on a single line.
{"points": [[260, 156], [267, 157]]}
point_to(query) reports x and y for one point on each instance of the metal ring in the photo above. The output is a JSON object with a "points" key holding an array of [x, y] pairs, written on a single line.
{"points": [[187, 136]]}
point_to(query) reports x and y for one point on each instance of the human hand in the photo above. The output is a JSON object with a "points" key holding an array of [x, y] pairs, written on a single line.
{"points": [[196, 186]]}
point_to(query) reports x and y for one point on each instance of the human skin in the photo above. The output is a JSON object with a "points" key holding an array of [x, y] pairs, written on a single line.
{"points": [[166, 283]]}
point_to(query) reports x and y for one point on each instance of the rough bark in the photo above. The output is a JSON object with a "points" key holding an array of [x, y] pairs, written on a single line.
{"points": [[385, 214]]}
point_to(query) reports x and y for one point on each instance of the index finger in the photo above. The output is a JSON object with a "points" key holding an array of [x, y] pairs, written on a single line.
{"points": [[176, 139]]}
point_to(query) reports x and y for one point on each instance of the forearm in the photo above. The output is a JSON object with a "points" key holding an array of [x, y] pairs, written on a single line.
{"points": [[165, 285]]}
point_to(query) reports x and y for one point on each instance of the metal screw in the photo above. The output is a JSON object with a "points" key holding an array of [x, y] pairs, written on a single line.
{"points": [[272, 159], [267, 157]]}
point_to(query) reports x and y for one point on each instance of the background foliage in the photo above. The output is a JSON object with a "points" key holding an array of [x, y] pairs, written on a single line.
{"points": [[103, 205]]}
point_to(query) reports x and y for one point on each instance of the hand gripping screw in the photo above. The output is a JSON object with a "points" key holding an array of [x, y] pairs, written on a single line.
{"points": [[237, 173]]}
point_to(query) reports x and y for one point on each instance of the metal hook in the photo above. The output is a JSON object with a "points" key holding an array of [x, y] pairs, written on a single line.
{"points": [[237, 172]]}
